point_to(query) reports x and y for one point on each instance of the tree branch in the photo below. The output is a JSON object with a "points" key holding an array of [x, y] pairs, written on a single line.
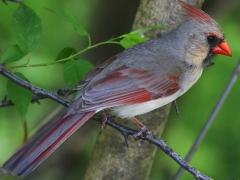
{"points": [[34, 89], [211, 118], [139, 157], [148, 136], [40, 93], [63, 92]]}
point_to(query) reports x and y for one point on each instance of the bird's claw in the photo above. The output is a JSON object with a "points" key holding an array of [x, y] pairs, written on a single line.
{"points": [[143, 130]]}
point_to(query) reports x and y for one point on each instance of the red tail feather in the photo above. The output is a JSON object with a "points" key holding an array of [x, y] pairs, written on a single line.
{"points": [[44, 143]]}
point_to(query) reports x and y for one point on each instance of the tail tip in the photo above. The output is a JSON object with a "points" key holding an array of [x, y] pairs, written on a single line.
{"points": [[3, 171]]}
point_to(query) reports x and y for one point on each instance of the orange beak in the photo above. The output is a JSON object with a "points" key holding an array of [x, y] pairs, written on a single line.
{"points": [[223, 48]]}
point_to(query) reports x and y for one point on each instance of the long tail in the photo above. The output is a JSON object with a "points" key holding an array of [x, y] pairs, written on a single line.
{"points": [[44, 143]]}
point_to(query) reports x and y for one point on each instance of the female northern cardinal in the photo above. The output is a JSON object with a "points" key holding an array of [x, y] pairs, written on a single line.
{"points": [[137, 81]]}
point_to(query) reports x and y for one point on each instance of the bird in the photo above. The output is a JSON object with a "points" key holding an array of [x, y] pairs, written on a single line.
{"points": [[133, 82]]}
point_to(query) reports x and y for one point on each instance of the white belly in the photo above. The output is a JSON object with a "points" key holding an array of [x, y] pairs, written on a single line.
{"points": [[142, 108]]}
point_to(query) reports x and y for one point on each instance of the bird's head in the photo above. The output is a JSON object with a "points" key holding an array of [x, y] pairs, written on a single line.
{"points": [[204, 37]]}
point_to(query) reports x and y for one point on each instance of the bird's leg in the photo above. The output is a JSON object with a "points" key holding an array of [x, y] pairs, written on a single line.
{"points": [[104, 120], [142, 127], [124, 134]]}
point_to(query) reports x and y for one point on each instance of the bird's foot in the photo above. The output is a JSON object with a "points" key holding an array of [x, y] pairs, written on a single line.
{"points": [[143, 129], [106, 118], [141, 132]]}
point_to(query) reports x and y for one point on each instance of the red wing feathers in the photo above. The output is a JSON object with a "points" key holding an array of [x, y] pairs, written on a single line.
{"points": [[125, 86], [128, 86], [97, 70]]}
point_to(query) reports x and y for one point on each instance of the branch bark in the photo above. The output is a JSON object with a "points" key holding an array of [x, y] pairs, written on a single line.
{"points": [[125, 131], [211, 119], [112, 160], [35, 90]]}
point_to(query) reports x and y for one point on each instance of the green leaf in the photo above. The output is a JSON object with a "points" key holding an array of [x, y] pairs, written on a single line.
{"points": [[75, 70], [20, 96], [12, 54], [73, 20], [66, 52], [138, 31], [133, 38], [27, 27], [78, 27]]}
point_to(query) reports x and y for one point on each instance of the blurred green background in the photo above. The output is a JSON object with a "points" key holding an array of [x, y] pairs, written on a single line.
{"points": [[218, 156]]}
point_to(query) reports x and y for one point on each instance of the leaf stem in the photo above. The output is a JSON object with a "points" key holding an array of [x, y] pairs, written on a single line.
{"points": [[90, 47], [89, 41]]}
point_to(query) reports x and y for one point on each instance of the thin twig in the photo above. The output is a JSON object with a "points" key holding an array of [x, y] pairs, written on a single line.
{"points": [[210, 119], [6, 102], [63, 92], [34, 89], [77, 54], [115, 40], [148, 136]]}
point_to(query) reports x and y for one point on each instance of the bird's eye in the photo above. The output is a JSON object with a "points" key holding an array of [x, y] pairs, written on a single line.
{"points": [[212, 39]]}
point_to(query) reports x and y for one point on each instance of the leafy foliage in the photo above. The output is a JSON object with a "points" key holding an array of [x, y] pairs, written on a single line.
{"points": [[133, 38], [76, 25], [27, 27], [20, 96], [66, 52], [75, 70], [12, 54], [73, 20]]}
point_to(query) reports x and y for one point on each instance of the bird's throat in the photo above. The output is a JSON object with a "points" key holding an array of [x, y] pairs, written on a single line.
{"points": [[208, 60]]}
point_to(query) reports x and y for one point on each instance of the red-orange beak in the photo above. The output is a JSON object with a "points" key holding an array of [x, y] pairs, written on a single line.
{"points": [[223, 48]]}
